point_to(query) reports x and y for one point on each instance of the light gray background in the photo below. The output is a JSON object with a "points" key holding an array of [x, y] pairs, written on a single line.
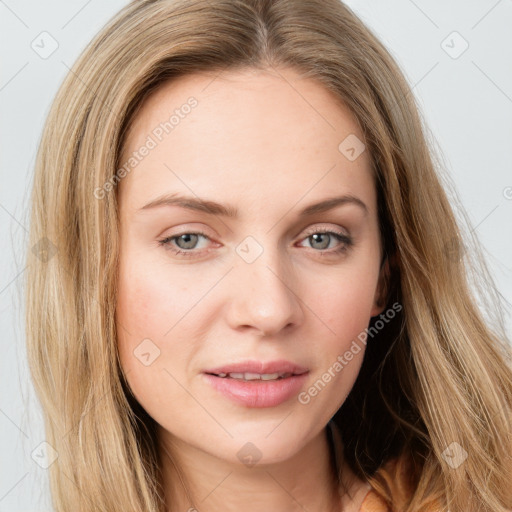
{"points": [[466, 101]]}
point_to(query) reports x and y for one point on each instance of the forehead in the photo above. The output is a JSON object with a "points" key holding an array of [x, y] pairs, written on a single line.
{"points": [[226, 97], [249, 130]]}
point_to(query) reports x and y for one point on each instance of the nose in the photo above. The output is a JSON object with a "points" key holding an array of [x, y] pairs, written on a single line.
{"points": [[264, 295]]}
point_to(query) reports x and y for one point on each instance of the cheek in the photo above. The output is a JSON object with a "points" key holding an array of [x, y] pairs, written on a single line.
{"points": [[144, 318], [344, 303], [151, 355], [151, 303]]}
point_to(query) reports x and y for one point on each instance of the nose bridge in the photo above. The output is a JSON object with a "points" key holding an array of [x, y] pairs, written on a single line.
{"points": [[264, 296]]}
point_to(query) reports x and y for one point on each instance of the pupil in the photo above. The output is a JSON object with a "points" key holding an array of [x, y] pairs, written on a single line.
{"points": [[317, 235], [186, 238]]}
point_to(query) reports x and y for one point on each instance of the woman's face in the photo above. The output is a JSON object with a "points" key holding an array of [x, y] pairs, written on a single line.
{"points": [[248, 153]]}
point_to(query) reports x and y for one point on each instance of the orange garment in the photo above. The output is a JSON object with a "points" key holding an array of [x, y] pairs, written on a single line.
{"points": [[396, 474], [396, 477], [374, 503]]}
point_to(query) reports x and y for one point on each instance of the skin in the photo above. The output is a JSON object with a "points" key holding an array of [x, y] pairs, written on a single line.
{"points": [[265, 142]]}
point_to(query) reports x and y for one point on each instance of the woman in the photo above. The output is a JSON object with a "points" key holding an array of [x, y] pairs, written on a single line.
{"points": [[192, 347]]}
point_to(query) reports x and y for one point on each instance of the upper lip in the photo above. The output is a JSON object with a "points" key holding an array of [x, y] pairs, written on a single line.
{"points": [[259, 367]]}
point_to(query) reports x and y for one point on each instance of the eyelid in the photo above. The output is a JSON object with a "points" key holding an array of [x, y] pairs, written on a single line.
{"points": [[325, 228]]}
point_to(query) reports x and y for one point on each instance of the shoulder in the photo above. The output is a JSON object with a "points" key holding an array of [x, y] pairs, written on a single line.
{"points": [[396, 473], [374, 503]]}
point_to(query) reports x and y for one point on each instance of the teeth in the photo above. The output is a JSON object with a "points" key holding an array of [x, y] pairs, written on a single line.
{"points": [[255, 376], [269, 376]]}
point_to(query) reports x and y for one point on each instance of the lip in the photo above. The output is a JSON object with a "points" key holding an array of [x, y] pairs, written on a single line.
{"points": [[258, 393], [279, 366]]}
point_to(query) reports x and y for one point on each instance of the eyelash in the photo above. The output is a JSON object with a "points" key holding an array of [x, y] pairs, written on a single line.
{"points": [[344, 247]]}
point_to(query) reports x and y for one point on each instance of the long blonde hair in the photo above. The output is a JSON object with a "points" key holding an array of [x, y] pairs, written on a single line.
{"points": [[439, 374]]}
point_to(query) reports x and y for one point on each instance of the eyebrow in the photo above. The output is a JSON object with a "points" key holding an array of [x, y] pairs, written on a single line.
{"points": [[213, 208]]}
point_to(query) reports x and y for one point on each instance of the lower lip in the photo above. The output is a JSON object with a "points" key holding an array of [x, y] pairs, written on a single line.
{"points": [[258, 393]]}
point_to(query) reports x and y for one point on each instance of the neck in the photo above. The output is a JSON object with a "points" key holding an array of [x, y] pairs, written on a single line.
{"points": [[195, 479]]}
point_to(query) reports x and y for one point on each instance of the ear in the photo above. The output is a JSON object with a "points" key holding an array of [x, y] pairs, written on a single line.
{"points": [[381, 293]]}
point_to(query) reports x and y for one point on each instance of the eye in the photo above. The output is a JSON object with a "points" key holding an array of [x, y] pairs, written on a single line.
{"points": [[185, 243], [321, 238]]}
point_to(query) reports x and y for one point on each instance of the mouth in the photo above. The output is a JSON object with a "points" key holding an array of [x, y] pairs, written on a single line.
{"points": [[257, 390], [248, 376], [257, 370]]}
